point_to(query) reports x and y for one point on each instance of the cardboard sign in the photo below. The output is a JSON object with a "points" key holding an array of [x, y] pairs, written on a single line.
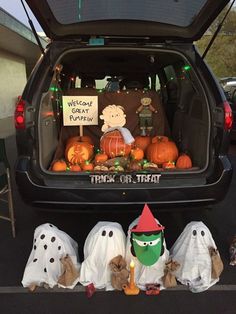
{"points": [[80, 110]]}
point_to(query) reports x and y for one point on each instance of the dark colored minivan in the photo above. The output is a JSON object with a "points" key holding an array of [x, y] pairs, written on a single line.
{"points": [[110, 52]]}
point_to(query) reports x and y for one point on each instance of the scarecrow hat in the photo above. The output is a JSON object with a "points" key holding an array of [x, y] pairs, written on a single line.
{"points": [[147, 222]]}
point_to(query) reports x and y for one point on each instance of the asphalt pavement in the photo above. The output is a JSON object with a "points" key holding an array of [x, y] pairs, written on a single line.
{"points": [[221, 220]]}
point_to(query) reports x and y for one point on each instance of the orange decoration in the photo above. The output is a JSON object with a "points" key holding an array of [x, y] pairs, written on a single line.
{"points": [[77, 152], [168, 165], [87, 166], [59, 165], [100, 158], [137, 153], [162, 150], [79, 139], [160, 138], [112, 144], [142, 142], [75, 168], [184, 162]]}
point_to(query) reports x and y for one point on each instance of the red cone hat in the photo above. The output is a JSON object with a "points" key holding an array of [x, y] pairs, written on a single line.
{"points": [[147, 222]]}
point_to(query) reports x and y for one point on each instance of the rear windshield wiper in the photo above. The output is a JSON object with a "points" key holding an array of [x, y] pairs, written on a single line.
{"points": [[217, 31]]}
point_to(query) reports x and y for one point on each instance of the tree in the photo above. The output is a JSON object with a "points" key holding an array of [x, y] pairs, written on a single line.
{"points": [[222, 55]]}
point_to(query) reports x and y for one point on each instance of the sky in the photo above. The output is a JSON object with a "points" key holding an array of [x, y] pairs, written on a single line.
{"points": [[15, 8]]}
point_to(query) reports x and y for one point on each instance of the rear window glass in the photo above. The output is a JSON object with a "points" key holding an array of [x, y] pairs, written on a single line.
{"points": [[174, 12]]}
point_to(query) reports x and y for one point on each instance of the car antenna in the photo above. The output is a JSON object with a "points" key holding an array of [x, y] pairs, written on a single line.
{"points": [[217, 31], [33, 29]]}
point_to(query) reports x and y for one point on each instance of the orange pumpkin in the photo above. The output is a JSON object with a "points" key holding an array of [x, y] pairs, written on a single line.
{"points": [[59, 165], [77, 152], [142, 142], [184, 162], [162, 150], [137, 153], [87, 166], [75, 168], [86, 138], [100, 158], [168, 165], [79, 139], [112, 144], [160, 138]]}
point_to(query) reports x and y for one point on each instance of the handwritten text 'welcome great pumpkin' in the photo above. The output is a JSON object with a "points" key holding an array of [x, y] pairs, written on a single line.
{"points": [[80, 110]]}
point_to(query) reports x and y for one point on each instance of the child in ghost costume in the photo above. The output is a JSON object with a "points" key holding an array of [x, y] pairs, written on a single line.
{"points": [[191, 251], [104, 242], [146, 247], [52, 249]]}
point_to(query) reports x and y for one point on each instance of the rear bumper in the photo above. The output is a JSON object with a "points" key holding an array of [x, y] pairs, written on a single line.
{"points": [[168, 196]]}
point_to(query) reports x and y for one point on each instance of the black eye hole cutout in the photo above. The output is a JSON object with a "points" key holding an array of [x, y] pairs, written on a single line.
{"points": [[202, 233], [104, 233], [194, 232], [110, 234]]}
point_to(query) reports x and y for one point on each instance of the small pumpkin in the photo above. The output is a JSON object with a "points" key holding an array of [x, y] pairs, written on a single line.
{"points": [[168, 165], [78, 152], [59, 165], [113, 144], [87, 166], [142, 142], [137, 153], [184, 162], [100, 158], [161, 150], [75, 168]]}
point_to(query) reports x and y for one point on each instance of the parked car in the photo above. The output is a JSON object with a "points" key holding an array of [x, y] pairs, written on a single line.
{"points": [[149, 49]]}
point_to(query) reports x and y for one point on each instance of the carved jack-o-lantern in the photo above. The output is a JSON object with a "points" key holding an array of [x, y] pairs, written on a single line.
{"points": [[78, 152]]}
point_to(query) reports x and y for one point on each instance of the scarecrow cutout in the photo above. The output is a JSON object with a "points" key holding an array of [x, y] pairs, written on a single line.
{"points": [[196, 252], [146, 247], [145, 112], [114, 119], [53, 260], [104, 242]]}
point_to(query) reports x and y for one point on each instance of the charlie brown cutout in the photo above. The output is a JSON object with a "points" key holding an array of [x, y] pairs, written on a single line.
{"points": [[114, 119]]}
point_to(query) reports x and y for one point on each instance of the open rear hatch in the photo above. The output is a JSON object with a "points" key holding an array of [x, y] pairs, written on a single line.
{"points": [[164, 19]]}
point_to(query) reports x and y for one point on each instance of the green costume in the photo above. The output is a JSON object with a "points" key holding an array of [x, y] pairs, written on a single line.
{"points": [[147, 239]]}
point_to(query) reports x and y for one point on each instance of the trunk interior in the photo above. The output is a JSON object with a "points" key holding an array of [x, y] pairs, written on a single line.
{"points": [[124, 77]]}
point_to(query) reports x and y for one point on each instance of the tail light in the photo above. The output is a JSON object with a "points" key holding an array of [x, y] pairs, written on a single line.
{"points": [[228, 116], [20, 115]]}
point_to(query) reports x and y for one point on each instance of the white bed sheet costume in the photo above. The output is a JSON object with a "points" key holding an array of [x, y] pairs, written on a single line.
{"points": [[146, 274], [191, 251], [44, 264], [105, 241]]}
